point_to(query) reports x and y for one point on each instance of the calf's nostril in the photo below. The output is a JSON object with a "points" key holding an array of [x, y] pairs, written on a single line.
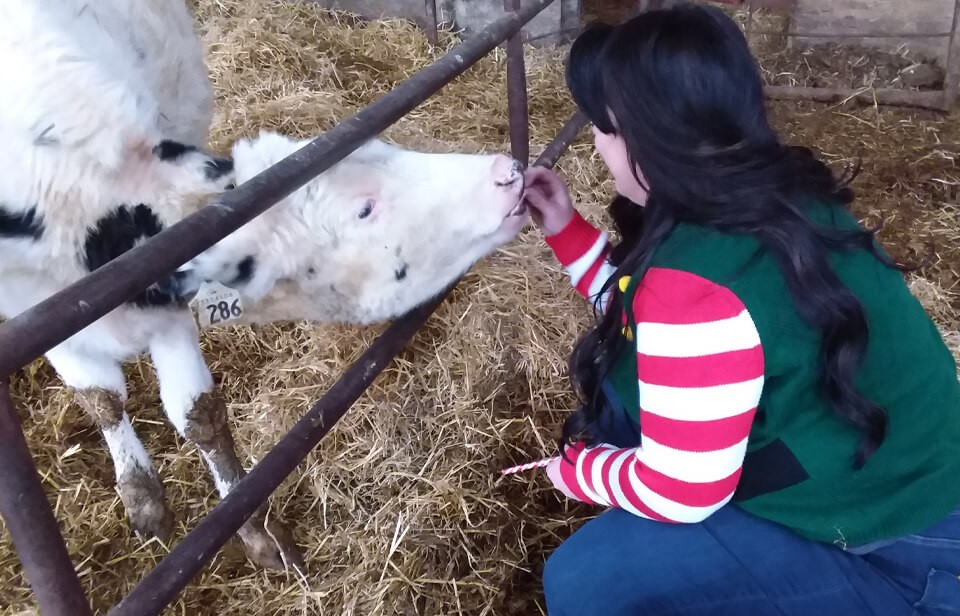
{"points": [[512, 175]]}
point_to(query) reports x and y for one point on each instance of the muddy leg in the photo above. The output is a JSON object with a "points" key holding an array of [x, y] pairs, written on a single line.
{"points": [[200, 415], [99, 388], [267, 542]]}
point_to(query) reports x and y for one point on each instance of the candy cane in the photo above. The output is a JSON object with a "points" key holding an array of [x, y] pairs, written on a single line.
{"points": [[526, 467]]}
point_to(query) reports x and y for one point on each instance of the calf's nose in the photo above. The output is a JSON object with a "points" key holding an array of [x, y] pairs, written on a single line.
{"points": [[507, 171]]}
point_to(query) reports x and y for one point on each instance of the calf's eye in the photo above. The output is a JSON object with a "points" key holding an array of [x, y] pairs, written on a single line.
{"points": [[367, 209]]}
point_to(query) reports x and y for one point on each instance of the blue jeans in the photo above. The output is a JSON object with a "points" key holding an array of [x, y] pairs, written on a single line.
{"points": [[736, 564]]}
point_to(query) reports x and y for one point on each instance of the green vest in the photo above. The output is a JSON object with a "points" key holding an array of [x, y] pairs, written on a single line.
{"points": [[798, 469]]}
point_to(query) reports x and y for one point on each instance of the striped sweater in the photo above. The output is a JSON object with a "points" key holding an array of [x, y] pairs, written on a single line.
{"points": [[700, 369]]}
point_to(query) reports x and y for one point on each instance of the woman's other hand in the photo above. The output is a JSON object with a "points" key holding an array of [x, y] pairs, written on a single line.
{"points": [[553, 472]]}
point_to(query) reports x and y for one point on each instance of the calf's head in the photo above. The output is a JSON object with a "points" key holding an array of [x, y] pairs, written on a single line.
{"points": [[381, 232]]}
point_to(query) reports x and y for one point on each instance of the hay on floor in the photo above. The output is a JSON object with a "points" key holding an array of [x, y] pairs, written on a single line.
{"points": [[400, 510]]}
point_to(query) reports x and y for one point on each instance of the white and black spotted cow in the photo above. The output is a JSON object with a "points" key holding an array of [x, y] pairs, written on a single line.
{"points": [[105, 107]]}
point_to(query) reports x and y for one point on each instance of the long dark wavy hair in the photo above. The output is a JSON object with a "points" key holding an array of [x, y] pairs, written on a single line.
{"points": [[688, 102]]}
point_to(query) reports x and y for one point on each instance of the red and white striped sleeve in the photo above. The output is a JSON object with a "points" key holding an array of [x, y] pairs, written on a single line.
{"points": [[700, 373], [583, 251]]}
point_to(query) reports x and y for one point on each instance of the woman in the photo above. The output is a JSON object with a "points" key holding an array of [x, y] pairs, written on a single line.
{"points": [[768, 413]]}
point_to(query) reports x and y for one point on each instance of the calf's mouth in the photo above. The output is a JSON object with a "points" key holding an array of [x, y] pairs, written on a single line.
{"points": [[519, 209]]}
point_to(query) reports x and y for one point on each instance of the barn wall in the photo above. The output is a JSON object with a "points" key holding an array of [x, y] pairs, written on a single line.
{"points": [[853, 16], [379, 9], [470, 15], [562, 14]]}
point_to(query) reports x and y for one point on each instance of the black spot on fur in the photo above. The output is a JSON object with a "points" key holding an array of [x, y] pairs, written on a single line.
{"points": [[218, 167], [22, 224], [172, 150], [311, 271], [245, 270], [117, 233], [401, 273]]}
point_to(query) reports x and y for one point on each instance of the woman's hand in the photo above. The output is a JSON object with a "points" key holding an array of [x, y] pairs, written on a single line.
{"points": [[549, 200], [553, 472]]}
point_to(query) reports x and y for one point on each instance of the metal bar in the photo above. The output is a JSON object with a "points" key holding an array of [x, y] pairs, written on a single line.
{"points": [[932, 99], [556, 148], [184, 561], [430, 7], [31, 523], [50, 322], [517, 102], [750, 22], [951, 80], [853, 34], [754, 33]]}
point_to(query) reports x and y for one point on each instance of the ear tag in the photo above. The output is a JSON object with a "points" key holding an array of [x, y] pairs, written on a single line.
{"points": [[216, 304]]}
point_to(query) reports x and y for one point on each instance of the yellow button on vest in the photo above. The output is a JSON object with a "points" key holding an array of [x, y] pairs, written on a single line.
{"points": [[623, 283]]}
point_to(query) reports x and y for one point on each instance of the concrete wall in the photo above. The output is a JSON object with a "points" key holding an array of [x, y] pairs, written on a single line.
{"points": [[404, 9], [473, 15], [469, 15], [853, 16]]}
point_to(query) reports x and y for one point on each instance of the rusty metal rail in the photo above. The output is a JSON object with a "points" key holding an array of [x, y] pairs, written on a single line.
{"points": [[24, 505], [517, 93], [30, 521], [430, 12]]}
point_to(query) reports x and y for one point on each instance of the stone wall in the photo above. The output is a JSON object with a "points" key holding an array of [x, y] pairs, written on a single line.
{"points": [[896, 16], [469, 15]]}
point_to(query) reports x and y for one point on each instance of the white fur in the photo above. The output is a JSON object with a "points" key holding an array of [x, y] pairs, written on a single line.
{"points": [[125, 448], [90, 87]]}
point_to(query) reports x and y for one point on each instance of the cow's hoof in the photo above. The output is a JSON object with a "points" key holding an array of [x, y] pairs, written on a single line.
{"points": [[272, 548], [146, 504]]}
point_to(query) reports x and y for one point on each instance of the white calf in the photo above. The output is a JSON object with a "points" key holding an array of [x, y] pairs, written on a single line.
{"points": [[376, 235], [105, 108]]}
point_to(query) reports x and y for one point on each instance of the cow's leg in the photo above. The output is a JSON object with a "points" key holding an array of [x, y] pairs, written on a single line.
{"points": [[198, 412], [98, 385]]}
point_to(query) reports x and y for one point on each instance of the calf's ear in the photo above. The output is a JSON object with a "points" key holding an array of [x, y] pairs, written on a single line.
{"points": [[252, 155]]}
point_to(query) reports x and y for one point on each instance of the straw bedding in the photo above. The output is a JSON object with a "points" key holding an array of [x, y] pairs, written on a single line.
{"points": [[401, 510]]}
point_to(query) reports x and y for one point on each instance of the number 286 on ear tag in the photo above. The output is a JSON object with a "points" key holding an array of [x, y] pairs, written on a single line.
{"points": [[217, 304]]}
